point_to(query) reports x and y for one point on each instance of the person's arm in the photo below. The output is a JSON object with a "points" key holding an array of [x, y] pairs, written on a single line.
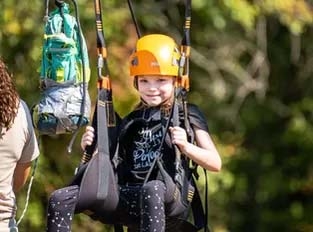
{"points": [[20, 176], [204, 153]]}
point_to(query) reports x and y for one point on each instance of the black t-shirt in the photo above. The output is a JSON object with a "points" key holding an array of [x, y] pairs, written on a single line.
{"points": [[141, 138]]}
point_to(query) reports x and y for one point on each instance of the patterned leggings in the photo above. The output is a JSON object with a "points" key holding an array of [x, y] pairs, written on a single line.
{"points": [[138, 205]]}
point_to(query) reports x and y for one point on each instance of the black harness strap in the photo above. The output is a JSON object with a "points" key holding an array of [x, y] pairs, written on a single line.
{"points": [[105, 115], [197, 210], [104, 110], [180, 174], [200, 217]]}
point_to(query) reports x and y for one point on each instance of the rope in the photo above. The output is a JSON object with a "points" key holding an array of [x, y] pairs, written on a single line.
{"points": [[28, 194], [29, 188]]}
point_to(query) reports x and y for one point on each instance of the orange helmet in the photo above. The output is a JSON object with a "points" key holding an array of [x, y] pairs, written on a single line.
{"points": [[155, 54]]}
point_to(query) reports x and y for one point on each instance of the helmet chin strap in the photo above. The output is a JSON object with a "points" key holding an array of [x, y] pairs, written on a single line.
{"points": [[166, 103], [135, 82], [165, 106]]}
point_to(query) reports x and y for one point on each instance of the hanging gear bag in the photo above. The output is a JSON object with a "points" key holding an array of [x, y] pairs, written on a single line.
{"points": [[64, 75]]}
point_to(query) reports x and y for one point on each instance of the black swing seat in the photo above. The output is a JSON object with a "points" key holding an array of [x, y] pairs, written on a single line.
{"points": [[179, 225], [172, 225]]}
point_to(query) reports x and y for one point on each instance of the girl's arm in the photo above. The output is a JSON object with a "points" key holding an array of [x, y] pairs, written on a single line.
{"points": [[204, 153], [87, 137]]}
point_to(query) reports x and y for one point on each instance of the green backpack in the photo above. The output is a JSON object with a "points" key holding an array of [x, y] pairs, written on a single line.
{"points": [[64, 105]]}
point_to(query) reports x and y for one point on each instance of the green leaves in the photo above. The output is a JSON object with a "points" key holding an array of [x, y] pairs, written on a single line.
{"points": [[243, 11], [257, 98], [296, 15]]}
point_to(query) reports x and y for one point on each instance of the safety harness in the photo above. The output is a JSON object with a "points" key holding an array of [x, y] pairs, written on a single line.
{"points": [[105, 122], [200, 216]]}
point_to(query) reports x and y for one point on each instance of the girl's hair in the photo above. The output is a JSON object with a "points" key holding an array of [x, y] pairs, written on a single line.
{"points": [[165, 107], [9, 98]]}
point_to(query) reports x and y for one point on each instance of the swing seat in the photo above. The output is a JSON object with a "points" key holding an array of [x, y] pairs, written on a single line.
{"points": [[173, 225], [178, 224]]}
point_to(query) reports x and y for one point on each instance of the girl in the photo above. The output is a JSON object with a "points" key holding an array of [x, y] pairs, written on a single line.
{"points": [[147, 191]]}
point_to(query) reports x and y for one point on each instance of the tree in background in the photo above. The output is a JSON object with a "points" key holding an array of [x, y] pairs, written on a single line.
{"points": [[251, 72]]}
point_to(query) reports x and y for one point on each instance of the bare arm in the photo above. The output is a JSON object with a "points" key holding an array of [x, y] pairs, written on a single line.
{"points": [[204, 153], [20, 176]]}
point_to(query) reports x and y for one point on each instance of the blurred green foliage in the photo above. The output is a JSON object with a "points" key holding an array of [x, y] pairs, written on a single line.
{"points": [[251, 73]]}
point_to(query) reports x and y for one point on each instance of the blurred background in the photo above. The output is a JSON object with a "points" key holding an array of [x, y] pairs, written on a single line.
{"points": [[251, 73]]}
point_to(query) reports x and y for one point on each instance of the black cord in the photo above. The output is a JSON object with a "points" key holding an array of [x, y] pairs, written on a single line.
{"points": [[134, 18], [80, 39]]}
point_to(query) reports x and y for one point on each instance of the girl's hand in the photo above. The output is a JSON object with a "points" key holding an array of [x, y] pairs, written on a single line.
{"points": [[87, 137], [179, 137]]}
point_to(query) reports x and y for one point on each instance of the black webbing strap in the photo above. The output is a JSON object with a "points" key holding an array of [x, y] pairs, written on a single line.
{"points": [[179, 170], [197, 210], [206, 206], [102, 127], [200, 215], [118, 228], [104, 116], [105, 112]]}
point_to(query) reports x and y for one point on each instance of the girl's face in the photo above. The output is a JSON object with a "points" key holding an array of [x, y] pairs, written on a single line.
{"points": [[155, 90]]}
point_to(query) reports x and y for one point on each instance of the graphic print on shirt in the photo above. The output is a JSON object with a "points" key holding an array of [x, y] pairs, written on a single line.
{"points": [[146, 147]]}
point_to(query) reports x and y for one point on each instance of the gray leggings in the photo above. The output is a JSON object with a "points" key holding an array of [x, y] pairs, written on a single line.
{"points": [[140, 207]]}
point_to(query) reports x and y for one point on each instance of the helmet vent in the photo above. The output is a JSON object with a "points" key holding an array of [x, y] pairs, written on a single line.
{"points": [[134, 61]]}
